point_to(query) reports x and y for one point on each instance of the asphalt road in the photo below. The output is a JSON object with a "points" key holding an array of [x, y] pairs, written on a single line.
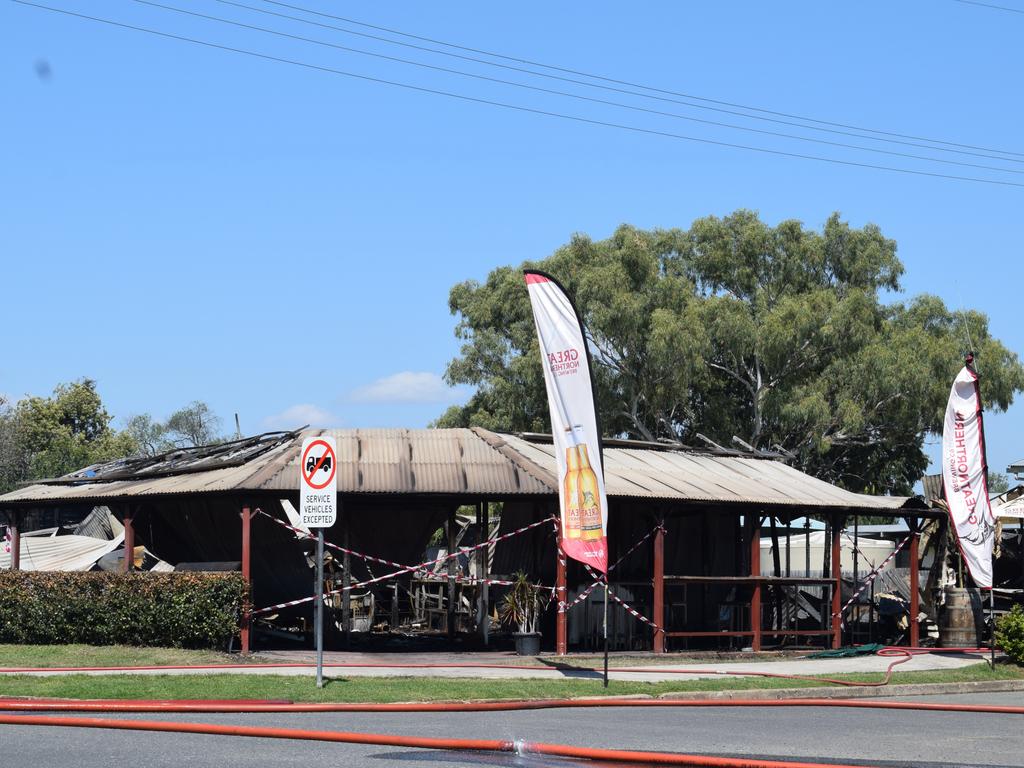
{"points": [[881, 738]]}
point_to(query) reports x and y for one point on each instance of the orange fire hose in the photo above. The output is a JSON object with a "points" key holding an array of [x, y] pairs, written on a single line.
{"points": [[421, 742]]}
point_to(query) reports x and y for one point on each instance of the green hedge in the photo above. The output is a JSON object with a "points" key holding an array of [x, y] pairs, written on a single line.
{"points": [[186, 610], [1010, 634]]}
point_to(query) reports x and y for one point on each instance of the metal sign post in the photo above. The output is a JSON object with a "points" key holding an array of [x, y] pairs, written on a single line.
{"points": [[318, 508], [320, 608]]}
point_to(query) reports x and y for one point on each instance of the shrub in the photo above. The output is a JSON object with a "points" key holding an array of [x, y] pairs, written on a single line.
{"points": [[186, 610], [1010, 634]]}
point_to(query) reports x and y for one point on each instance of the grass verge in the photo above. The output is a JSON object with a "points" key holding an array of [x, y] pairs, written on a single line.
{"points": [[388, 689], [108, 656]]}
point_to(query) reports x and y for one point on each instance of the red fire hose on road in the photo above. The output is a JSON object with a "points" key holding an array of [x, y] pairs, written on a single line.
{"points": [[421, 742], [264, 706]]}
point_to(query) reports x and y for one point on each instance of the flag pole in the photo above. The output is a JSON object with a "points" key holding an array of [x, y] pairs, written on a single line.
{"points": [[606, 630], [992, 619], [969, 361], [572, 405]]}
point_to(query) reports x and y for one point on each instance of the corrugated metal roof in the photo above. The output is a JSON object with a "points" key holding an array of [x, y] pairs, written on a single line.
{"points": [[690, 475], [476, 463], [419, 461]]}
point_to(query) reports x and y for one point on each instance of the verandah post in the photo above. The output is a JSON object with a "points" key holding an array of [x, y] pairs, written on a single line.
{"points": [[836, 522], [755, 573], [246, 577], [659, 586], [915, 590]]}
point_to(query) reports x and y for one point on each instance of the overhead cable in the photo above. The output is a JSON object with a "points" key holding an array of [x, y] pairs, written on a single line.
{"points": [[567, 94], [514, 107], [606, 79]]}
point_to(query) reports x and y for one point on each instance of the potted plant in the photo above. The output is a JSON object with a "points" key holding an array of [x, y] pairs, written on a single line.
{"points": [[521, 608]]}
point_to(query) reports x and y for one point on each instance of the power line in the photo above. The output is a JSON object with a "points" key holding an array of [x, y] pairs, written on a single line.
{"points": [[236, 4], [514, 107], [989, 5], [617, 81], [573, 95]]}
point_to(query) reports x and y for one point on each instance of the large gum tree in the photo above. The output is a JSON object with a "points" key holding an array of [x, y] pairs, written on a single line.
{"points": [[788, 338]]}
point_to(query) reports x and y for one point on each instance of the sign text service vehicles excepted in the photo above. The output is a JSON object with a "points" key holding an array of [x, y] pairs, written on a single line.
{"points": [[318, 491]]}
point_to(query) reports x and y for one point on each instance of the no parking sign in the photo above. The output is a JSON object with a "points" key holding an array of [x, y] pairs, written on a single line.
{"points": [[318, 491]]}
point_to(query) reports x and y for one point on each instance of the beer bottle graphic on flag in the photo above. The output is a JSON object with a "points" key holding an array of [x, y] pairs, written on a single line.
{"points": [[583, 503]]}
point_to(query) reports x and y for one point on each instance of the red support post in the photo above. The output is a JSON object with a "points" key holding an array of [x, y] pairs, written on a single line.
{"points": [[561, 619], [15, 528], [247, 577], [915, 589], [659, 587], [755, 570], [129, 543], [837, 589]]}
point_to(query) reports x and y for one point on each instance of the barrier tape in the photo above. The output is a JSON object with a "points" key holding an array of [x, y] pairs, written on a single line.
{"points": [[629, 609], [304, 535], [870, 578], [633, 612], [403, 569], [582, 596], [635, 547], [299, 533]]}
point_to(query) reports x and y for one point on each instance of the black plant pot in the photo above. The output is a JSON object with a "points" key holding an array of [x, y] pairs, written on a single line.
{"points": [[527, 643]]}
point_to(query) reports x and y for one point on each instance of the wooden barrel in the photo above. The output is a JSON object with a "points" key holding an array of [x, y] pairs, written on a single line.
{"points": [[958, 627]]}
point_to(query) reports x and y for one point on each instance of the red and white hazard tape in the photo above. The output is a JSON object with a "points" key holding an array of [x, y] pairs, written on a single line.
{"points": [[636, 546], [633, 612], [870, 578], [305, 535], [299, 533], [629, 609], [581, 597], [403, 569]]}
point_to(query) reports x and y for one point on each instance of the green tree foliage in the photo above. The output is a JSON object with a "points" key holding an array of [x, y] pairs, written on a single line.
{"points": [[194, 425], [51, 436], [783, 336]]}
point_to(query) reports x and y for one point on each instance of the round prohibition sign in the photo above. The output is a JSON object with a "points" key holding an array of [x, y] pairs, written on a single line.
{"points": [[307, 477]]}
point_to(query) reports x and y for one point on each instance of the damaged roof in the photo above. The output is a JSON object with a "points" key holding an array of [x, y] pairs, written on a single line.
{"points": [[674, 473], [471, 463]]}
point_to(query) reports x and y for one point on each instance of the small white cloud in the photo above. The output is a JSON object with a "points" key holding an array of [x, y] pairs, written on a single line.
{"points": [[407, 387], [297, 415]]}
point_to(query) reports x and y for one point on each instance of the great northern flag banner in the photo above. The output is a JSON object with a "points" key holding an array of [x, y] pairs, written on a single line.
{"points": [[581, 493], [965, 476]]}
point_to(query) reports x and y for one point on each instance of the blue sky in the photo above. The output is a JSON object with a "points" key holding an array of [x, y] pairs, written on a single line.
{"points": [[182, 222]]}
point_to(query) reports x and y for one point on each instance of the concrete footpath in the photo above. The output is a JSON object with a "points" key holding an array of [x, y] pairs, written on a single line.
{"points": [[508, 666]]}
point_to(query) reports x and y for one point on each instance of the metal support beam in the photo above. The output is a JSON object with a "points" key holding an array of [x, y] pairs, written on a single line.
{"points": [[129, 542], [836, 523], [659, 586], [246, 576], [755, 570], [452, 562], [915, 589]]}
